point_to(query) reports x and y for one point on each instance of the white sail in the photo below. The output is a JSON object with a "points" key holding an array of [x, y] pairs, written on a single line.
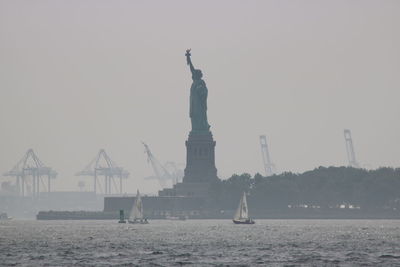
{"points": [[242, 211], [238, 211], [245, 210], [137, 209]]}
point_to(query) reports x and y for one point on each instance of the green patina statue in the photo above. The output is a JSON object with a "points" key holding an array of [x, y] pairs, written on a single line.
{"points": [[198, 99]]}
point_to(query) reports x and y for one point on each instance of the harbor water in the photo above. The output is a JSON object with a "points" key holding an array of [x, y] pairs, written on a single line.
{"points": [[201, 243]]}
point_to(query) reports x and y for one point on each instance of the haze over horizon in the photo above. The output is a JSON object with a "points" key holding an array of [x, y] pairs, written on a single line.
{"points": [[79, 76]]}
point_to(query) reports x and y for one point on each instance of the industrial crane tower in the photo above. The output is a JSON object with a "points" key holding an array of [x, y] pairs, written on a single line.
{"points": [[268, 165], [165, 174], [29, 172], [102, 165], [351, 155]]}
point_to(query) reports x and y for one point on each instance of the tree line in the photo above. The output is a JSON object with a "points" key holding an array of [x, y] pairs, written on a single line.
{"points": [[322, 187]]}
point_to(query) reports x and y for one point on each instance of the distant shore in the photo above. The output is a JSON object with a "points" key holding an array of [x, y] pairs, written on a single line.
{"points": [[287, 215]]}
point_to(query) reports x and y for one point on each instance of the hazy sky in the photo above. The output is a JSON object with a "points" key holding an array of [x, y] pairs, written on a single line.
{"points": [[77, 76]]}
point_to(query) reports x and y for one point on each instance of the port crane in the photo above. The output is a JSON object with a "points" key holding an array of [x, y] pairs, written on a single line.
{"points": [[29, 172], [165, 174], [269, 167], [351, 155], [102, 165]]}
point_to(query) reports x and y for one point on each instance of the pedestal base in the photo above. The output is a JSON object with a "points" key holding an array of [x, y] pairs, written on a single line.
{"points": [[200, 159], [200, 171]]}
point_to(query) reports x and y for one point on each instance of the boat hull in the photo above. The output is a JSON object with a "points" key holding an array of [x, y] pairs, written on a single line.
{"points": [[138, 222], [248, 221], [176, 218]]}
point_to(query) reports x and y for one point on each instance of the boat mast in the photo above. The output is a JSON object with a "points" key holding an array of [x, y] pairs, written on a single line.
{"points": [[241, 205]]}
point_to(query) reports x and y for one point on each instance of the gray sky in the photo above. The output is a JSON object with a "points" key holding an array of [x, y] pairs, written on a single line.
{"points": [[77, 76]]}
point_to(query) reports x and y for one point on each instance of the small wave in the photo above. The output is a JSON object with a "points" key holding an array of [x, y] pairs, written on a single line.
{"points": [[184, 262], [388, 256], [183, 255], [40, 257], [264, 248]]}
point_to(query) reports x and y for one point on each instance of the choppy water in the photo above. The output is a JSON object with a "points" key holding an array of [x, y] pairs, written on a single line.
{"points": [[201, 242]]}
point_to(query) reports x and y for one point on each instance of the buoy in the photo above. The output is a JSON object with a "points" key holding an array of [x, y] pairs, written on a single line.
{"points": [[121, 216]]}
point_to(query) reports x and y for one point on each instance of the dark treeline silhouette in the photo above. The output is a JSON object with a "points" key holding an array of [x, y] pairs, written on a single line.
{"points": [[321, 188]]}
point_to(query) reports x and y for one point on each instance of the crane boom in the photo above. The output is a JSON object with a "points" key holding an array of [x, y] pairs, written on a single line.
{"points": [[269, 167], [161, 173], [351, 155]]}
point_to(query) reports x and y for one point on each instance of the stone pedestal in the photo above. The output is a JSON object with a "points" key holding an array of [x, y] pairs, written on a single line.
{"points": [[200, 172], [200, 158]]}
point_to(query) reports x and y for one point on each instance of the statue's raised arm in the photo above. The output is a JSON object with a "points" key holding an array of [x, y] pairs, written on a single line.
{"points": [[189, 60], [196, 74]]}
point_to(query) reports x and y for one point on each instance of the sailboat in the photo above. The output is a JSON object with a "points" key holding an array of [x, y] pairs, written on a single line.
{"points": [[136, 216], [4, 217], [242, 213]]}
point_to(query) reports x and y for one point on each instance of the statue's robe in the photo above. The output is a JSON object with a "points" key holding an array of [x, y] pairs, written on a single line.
{"points": [[198, 106]]}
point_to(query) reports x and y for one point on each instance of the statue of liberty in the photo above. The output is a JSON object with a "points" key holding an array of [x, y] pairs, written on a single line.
{"points": [[198, 99]]}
